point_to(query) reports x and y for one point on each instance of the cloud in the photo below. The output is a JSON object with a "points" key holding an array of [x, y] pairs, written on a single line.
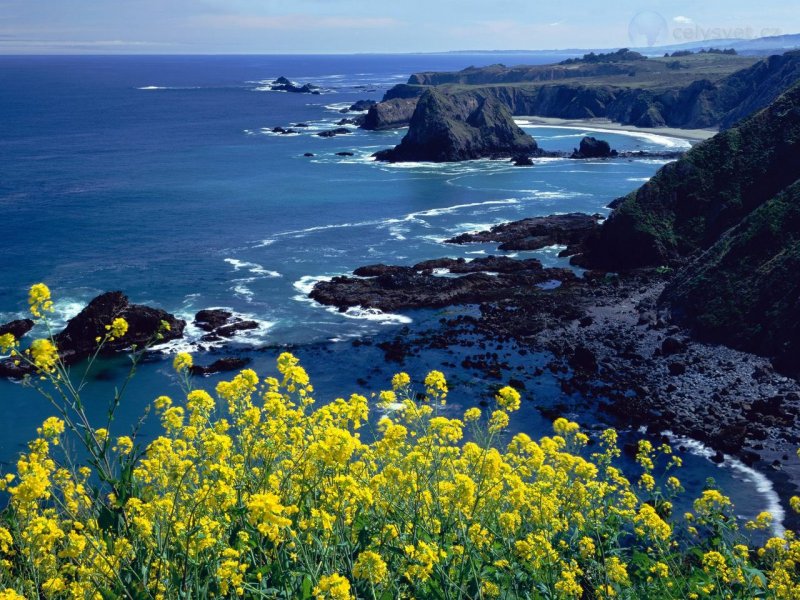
{"points": [[292, 21], [681, 20]]}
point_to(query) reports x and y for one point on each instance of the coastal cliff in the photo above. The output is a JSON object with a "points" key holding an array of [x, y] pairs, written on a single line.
{"points": [[728, 216], [691, 92]]}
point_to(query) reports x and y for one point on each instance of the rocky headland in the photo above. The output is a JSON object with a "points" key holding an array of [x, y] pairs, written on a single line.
{"points": [[708, 90]]}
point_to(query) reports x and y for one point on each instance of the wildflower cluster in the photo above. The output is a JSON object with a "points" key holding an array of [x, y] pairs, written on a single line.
{"points": [[253, 491]]}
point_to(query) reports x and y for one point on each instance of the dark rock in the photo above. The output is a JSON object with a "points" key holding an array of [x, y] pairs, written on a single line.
{"points": [[334, 132], [344, 154], [677, 368], [301, 125], [308, 154], [522, 161], [672, 346], [231, 329], [769, 406], [718, 457], [583, 359], [220, 366], [210, 319], [17, 328], [591, 147], [78, 339], [454, 128], [487, 264], [282, 84], [537, 232], [392, 288]]}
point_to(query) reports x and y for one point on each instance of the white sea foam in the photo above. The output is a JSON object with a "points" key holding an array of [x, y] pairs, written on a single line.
{"points": [[373, 314], [337, 106], [251, 267], [151, 88], [742, 472], [554, 249], [63, 310], [435, 212]]}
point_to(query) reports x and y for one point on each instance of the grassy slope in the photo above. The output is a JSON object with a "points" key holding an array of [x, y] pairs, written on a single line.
{"points": [[690, 203], [745, 290]]}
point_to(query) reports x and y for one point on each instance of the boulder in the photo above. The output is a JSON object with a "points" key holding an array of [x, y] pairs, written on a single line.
{"points": [[522, 160]]}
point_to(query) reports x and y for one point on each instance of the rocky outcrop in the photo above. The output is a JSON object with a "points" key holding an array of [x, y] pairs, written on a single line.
{"points": [[453, 128], [392, 288], [282, 84], [538, 232], [220, 323], [591, 147], [690, 203], [78, 339], [334, 132]]}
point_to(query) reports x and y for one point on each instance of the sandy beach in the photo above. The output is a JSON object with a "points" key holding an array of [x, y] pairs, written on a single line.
{"points": [[693, 135]]}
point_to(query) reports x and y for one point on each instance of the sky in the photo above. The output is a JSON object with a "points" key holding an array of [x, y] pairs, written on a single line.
{"points": [[343, 26]]}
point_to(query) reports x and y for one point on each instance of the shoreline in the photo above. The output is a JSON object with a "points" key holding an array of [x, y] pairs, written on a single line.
{"points": [[692, 135]]}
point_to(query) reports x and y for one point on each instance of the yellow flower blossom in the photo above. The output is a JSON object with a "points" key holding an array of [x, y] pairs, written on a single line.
{"points": [[182, 362], [39, 299]]}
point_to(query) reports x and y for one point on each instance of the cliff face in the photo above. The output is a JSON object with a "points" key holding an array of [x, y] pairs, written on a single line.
{"points": [[728, 215], [688, 204], [651, 97], [390, 114], [745, 290], [451, 128]]}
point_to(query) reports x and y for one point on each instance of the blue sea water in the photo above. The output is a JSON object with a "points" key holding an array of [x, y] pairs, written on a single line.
{"points": [[160, 177]]}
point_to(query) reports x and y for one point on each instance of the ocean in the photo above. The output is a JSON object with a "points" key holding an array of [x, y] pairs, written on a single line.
{"points": [[161, 177]]}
